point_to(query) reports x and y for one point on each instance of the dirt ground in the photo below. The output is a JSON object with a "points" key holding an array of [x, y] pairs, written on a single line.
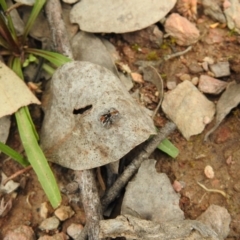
{"points": [[222, 151]]}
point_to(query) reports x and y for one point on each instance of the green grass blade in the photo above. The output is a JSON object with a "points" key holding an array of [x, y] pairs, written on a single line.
{"points": [[55, 58], [167, 147], [34, 13], [6, 34], [9, 19], [16, 67], [37, 159], [4, 43], [33, 151], [14, 154], [3, 4]]}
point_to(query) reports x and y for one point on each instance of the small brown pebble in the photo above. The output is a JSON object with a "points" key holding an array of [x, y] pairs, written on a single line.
{"points": [[178, 186], [64, 212]]}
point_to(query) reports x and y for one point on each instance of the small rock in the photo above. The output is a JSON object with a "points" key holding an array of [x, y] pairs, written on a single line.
{"points": [[218, 219], [214, 10], [209, 173], [156, 201], [58, 236], [20, 233], [48, 224], [205, 66], [74, 230], [64, 212], [10, 186], [183, 30], [88, 47], [178, 186], [208, 60], [220, 69], [195, 81], [136, 77], [231, 11], [45, 210], [211, 85], [171, 85], [148, 37], [184, 77], [187, 108], [195, 68]]}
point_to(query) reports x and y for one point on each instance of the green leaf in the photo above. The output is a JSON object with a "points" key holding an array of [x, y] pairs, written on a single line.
{"points": [[34, 13], [167, 147], [14, 154], [55, 58], [37, 159]]}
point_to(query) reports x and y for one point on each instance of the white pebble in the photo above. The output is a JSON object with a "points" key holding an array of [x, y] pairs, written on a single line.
{"points": [[209, 172]]}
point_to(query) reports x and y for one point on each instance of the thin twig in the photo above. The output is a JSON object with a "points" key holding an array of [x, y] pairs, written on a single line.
{"points": [[59, 33], [177, 54], [16, 174], [91, 201], [132, 168]]}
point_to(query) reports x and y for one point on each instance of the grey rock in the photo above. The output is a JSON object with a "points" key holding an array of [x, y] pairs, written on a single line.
{"points": [[220, 69], [77, 131], [150, 195], [140, 229], [74, 230], [126, 80], [118, 16], [188, 108], [218, 219], [51, 223], [231, 12], [213, 9], [87, 47]]}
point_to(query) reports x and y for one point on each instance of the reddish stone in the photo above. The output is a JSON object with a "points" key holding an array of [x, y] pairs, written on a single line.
{"points": [[182, 30]]}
